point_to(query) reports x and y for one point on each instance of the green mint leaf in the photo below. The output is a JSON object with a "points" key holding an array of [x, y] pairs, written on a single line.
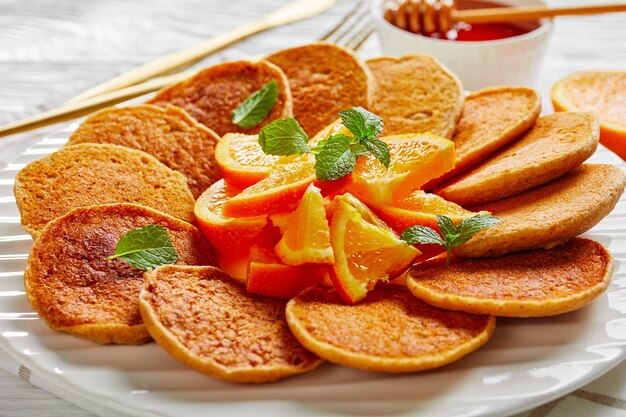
{"points": [[283, 137], [379, 149], [335, 159], [146, 248], [361, 123], [470, 226], [253, 110], [422, 234], [359, 149], [447, 229]]}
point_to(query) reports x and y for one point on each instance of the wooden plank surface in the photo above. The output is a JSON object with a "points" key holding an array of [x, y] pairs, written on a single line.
{"points": [[52, 50]]}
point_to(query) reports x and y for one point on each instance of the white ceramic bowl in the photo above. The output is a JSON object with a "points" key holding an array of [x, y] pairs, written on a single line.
{"points": [[512, 61]]}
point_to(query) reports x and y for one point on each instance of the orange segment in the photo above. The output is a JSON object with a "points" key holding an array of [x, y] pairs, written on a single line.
{"points": [[415, 159], [364, 253], [306, 237], [241, 159], [334, 128], [267, 275], [231, 237], [600, 93]]}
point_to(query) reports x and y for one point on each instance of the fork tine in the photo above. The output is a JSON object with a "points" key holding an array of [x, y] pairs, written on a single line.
{"points": [[351, 27], [342, 22], [359, 39]]}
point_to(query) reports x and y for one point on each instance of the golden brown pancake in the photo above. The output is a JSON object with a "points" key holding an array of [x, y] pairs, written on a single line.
{"points": [[528, 284], [76, 290], [389, 331], [324, 79], [555, 145], [548, 215], [91, 174], [170, 135], [211, 95], [416, 94], [492, 118], [206, 320]]}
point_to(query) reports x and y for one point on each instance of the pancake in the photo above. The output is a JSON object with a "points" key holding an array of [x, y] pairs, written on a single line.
{"points": [[555, 145], [528, 284], [91, 174], [211, 95], [76, 290], [389, 331], [324, 79], [492, 118], [207, 321], [170, 135], [549, 215], [416, 94]]}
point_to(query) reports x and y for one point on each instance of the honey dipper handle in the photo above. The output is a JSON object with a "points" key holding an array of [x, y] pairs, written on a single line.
{"points": [[502, 14]]}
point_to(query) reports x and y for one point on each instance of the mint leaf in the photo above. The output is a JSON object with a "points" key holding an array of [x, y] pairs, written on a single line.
{"points": [[379, 149], [283, 137], [421, 234], [146, 248], [472, 225], [453, 236], [253, 110], [335, 159], [361, 123]]}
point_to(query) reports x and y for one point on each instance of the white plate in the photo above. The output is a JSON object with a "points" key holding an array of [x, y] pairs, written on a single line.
{"points": [[527, 362]]}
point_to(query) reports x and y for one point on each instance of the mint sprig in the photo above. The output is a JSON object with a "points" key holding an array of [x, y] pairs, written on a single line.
{"points": [[453, 236], [336, 156], [146, 248], [283, 137], [253, 110]]}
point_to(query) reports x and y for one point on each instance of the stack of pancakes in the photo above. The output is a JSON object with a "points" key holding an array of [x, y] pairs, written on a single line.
{"points": [[125, 168]]}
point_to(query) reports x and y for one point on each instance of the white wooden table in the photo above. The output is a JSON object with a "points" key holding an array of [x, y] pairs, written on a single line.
{"points": [[50, 50]]}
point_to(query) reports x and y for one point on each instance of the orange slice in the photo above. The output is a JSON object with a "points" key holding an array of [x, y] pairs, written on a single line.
{"points": [[241, 159], [231, 237], [306, 237], [268, 275], [280, 191], [600, 93], [415, 159], [334, 128], [284, 187], [419, 208], [364, 253]]}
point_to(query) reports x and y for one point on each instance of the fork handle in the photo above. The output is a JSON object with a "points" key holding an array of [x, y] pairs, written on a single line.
{"points": [[502, 14]]}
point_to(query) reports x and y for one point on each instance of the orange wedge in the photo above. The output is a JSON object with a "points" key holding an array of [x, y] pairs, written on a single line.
{"points": [[231, 237], [334, 128], [306, 237], [241, 159], [600, 93], [364, 253], [415, 159], [268, 275]]}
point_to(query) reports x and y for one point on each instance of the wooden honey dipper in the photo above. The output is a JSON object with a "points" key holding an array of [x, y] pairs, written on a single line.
{"points": [[429, 16]]}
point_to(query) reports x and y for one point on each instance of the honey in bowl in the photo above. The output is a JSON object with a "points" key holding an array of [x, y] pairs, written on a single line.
{"points": [[465, 32]]}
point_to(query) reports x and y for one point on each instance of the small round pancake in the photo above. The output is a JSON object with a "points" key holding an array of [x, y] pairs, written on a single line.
{"points": [[528, 284], [76, 290], [211, 95], [388, 331], [324, 79], [206, 320], [170, 135], [492, 118], [555, 145], [91, 174], [548, 215], [416, 94]]}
